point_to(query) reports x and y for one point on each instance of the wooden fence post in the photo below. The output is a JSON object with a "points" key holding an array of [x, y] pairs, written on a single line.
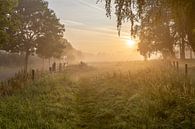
{"points": [[174, 64], [50, 69], [177, 63], [33, 75], [54, 67], [186, 70]]}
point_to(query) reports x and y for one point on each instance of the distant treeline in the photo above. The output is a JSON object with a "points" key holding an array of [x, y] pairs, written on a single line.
{"points": [[69, 54]]}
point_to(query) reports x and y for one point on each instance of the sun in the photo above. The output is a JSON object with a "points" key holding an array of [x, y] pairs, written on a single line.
{"points": [[131, 42]]}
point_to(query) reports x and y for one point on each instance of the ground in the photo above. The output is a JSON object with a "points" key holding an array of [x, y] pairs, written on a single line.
{"points": [[121, 95]]}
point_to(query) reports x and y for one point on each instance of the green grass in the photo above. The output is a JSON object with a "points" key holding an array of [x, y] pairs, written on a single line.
{"points": [[45, 104], [152, 97]]}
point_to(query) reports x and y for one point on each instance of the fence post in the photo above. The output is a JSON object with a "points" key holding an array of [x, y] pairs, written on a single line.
{"points": [[173, 64], [50, 69], [60, 67], [186, 70], [33, 75], [54, 67], [177, 63]]}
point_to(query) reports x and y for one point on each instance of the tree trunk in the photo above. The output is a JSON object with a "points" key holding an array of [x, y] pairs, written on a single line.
{"points": [[26, 62]]}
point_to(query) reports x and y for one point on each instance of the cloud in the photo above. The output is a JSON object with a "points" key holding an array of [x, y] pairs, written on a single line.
{"points": [[88, 29], [101, 30], [90, 5], [74, 23]]}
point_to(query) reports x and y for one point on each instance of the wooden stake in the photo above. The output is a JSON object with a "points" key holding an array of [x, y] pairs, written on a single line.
{"points": [[177, 63], [33, 75], [50, 69], [186, 69]]}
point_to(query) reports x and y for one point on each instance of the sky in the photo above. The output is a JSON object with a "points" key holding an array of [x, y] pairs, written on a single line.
{"points": [[89, 30]]}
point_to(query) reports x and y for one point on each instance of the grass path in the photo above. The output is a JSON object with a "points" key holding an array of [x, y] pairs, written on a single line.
{"points": [[85, 106]]}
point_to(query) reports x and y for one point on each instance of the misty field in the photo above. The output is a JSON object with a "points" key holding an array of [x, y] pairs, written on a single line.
{"points": [[136, 95]]}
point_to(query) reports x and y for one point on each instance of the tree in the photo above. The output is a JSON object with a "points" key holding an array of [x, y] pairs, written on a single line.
{"points": [[50, 46], [125, 10], [156, 32], [180, 12], [36, 20], [6, 9], [183, 12]]}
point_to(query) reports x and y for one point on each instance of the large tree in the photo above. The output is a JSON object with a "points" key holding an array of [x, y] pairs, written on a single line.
{"points": [[51, 43], [35, 20], [181, 13], [157, 33]]}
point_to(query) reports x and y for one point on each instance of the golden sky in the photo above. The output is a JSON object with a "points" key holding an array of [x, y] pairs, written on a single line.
{"points": [[89, 30]]}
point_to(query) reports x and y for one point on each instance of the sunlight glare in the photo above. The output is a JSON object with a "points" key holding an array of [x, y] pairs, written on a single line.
{"points": [[131, 43]]}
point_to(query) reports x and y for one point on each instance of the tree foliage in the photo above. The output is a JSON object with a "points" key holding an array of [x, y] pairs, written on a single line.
{"points": [[6, 9], [33, 22], [50, 46], [168, 22]]}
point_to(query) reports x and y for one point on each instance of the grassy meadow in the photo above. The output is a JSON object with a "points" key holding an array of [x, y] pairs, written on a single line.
{"points": [[121, 95]]}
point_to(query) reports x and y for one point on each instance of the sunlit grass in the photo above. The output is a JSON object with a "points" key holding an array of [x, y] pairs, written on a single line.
{"points": [[151, 97]]}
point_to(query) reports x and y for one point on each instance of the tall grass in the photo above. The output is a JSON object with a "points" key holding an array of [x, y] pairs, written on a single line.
{"points": [[155, 97], [149, 99]]}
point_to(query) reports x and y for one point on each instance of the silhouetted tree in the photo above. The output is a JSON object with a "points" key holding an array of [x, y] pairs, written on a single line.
{"points": [[50, 46], [36, 20], [156, 32], [180, 12]]}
